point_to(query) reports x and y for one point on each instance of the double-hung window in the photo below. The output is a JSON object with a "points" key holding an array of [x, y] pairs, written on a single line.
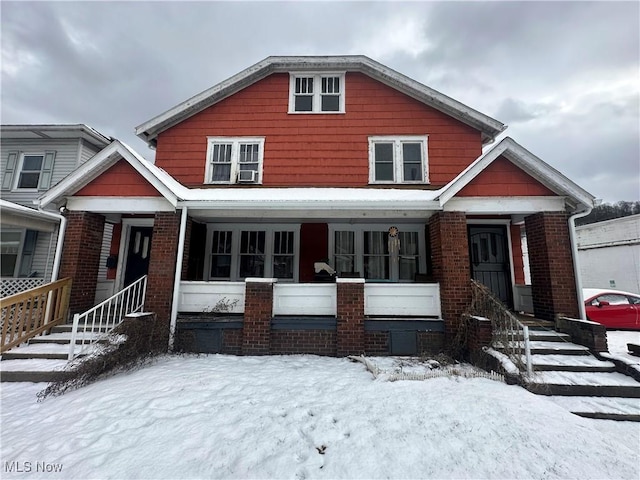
{"points": [[236, 252], [316, 93], [398, 159], [376, 253], [234, 160]]}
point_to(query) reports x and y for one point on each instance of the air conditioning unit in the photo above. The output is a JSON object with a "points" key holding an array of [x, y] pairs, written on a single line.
{"points": [[247, 176]]}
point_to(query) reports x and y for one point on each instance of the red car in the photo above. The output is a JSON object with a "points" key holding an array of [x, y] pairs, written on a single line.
{"points": [[612, 308]]}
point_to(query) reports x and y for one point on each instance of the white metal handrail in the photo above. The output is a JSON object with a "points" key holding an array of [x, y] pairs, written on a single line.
{"points": [[97, 322]]}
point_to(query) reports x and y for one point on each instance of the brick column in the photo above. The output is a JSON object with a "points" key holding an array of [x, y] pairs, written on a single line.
{"points": [[553, 283], [162, 268], [451, 267], [350, 316], [258, 311], [81, 257]]}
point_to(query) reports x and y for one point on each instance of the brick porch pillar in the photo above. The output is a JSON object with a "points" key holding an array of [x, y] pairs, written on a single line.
{"points": [[81, 257], [553, 283], [350, 316], [258, 311], [162, 268], [451, 267]]}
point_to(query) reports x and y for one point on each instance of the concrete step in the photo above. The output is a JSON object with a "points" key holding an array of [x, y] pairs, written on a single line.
{"points": [[547, 348], [598, 384], [69, 327], [540, 336], [604, 408], [38, 350], [570, 363], [64, 337], [32, 370]]}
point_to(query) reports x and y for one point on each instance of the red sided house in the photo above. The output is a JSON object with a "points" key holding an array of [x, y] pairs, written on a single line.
{"points": [[298, 167]]}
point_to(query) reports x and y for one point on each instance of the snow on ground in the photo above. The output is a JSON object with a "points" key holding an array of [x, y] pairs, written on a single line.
{"points": [[617, 342], [301, 417]]}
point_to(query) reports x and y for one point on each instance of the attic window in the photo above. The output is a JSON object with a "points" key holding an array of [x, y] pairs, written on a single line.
{"points": [[316, 93]]}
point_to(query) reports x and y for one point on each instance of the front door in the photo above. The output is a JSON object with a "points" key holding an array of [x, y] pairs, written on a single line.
{"points": [[489, 255], [138, 253]]}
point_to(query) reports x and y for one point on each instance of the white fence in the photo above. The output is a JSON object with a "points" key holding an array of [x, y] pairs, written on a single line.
{"points": [[402, 299], [10, 286], [305, 299], [206, 297]]}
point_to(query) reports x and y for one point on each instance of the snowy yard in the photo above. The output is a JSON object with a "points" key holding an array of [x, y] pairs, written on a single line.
{"points": [[302, 417]]}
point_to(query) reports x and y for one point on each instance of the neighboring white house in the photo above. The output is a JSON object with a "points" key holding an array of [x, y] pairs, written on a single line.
{"points": [[609, 253], [33, 158]]}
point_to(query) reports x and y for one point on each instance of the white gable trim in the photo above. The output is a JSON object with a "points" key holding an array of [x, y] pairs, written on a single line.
{"points": [[489, 127], [99, 164], [529, 163]]}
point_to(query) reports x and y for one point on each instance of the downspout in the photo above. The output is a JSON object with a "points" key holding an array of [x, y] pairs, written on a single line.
{"points": [[176, 280], [576, 262], [57, 259]]}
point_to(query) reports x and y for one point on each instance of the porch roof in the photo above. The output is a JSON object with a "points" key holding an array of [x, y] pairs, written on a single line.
{"points": [[21, 216]]}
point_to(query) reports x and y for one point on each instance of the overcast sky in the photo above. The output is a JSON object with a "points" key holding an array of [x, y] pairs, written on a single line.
{"points": [[565, 77]]}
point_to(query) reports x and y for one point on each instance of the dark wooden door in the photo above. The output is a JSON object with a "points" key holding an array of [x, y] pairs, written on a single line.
{"points": [[490, 262], [138, 254]]}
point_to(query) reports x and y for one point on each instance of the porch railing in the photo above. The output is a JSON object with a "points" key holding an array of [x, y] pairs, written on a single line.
{"points": [[10, 286], [305, 299], [509, 334], [402, 299], [30, 313], [89, 327]]}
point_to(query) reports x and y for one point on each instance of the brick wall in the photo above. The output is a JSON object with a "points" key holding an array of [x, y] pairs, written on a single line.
{"points": [[479, 334], [81, 257], [451, 267], [258, 306], [376, 343], [232, 341], [551, 263], [350, 318], [162, 267], [316, 342], [430, 343]]}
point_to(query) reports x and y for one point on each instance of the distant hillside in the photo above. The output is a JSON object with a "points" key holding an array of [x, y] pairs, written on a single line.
{"points": [[606, 211]]}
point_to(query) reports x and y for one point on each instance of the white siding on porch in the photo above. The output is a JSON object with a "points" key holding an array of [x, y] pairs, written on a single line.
{"points": [[305, 299], [402, 299], [203, 297]]}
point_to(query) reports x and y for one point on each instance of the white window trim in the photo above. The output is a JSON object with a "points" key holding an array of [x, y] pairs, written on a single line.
{"points": [[235, 158], [18, 171], [377, 227], [317, 91], [236, 228], [398, 171]]}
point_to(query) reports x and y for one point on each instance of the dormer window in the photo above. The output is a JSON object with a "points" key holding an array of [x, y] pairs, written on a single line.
{"points": [[316, 93], [234, 160]]}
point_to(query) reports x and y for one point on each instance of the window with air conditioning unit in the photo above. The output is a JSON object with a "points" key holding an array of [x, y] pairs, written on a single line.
{"points": [[234, 160]]}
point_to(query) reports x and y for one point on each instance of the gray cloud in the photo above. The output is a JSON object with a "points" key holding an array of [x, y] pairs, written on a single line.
{"points": [[564, 76]]}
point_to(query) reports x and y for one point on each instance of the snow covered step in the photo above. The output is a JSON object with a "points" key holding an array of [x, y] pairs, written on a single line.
{"points": [[542, 336], [550, 348], [607, 408], [69, 327], [570, 363], [598, 384], [38, 350], [32, 370], [64, 337]]}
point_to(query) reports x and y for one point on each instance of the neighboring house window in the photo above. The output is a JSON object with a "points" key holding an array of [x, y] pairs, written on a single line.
{"points": [[234, 160], [372, 252], [316, 93], [10, 243], [398, 159], [237, 252], [28, 171]]}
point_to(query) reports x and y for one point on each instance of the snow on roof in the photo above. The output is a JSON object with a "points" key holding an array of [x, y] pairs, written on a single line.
{"points": [[489, 127]]}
